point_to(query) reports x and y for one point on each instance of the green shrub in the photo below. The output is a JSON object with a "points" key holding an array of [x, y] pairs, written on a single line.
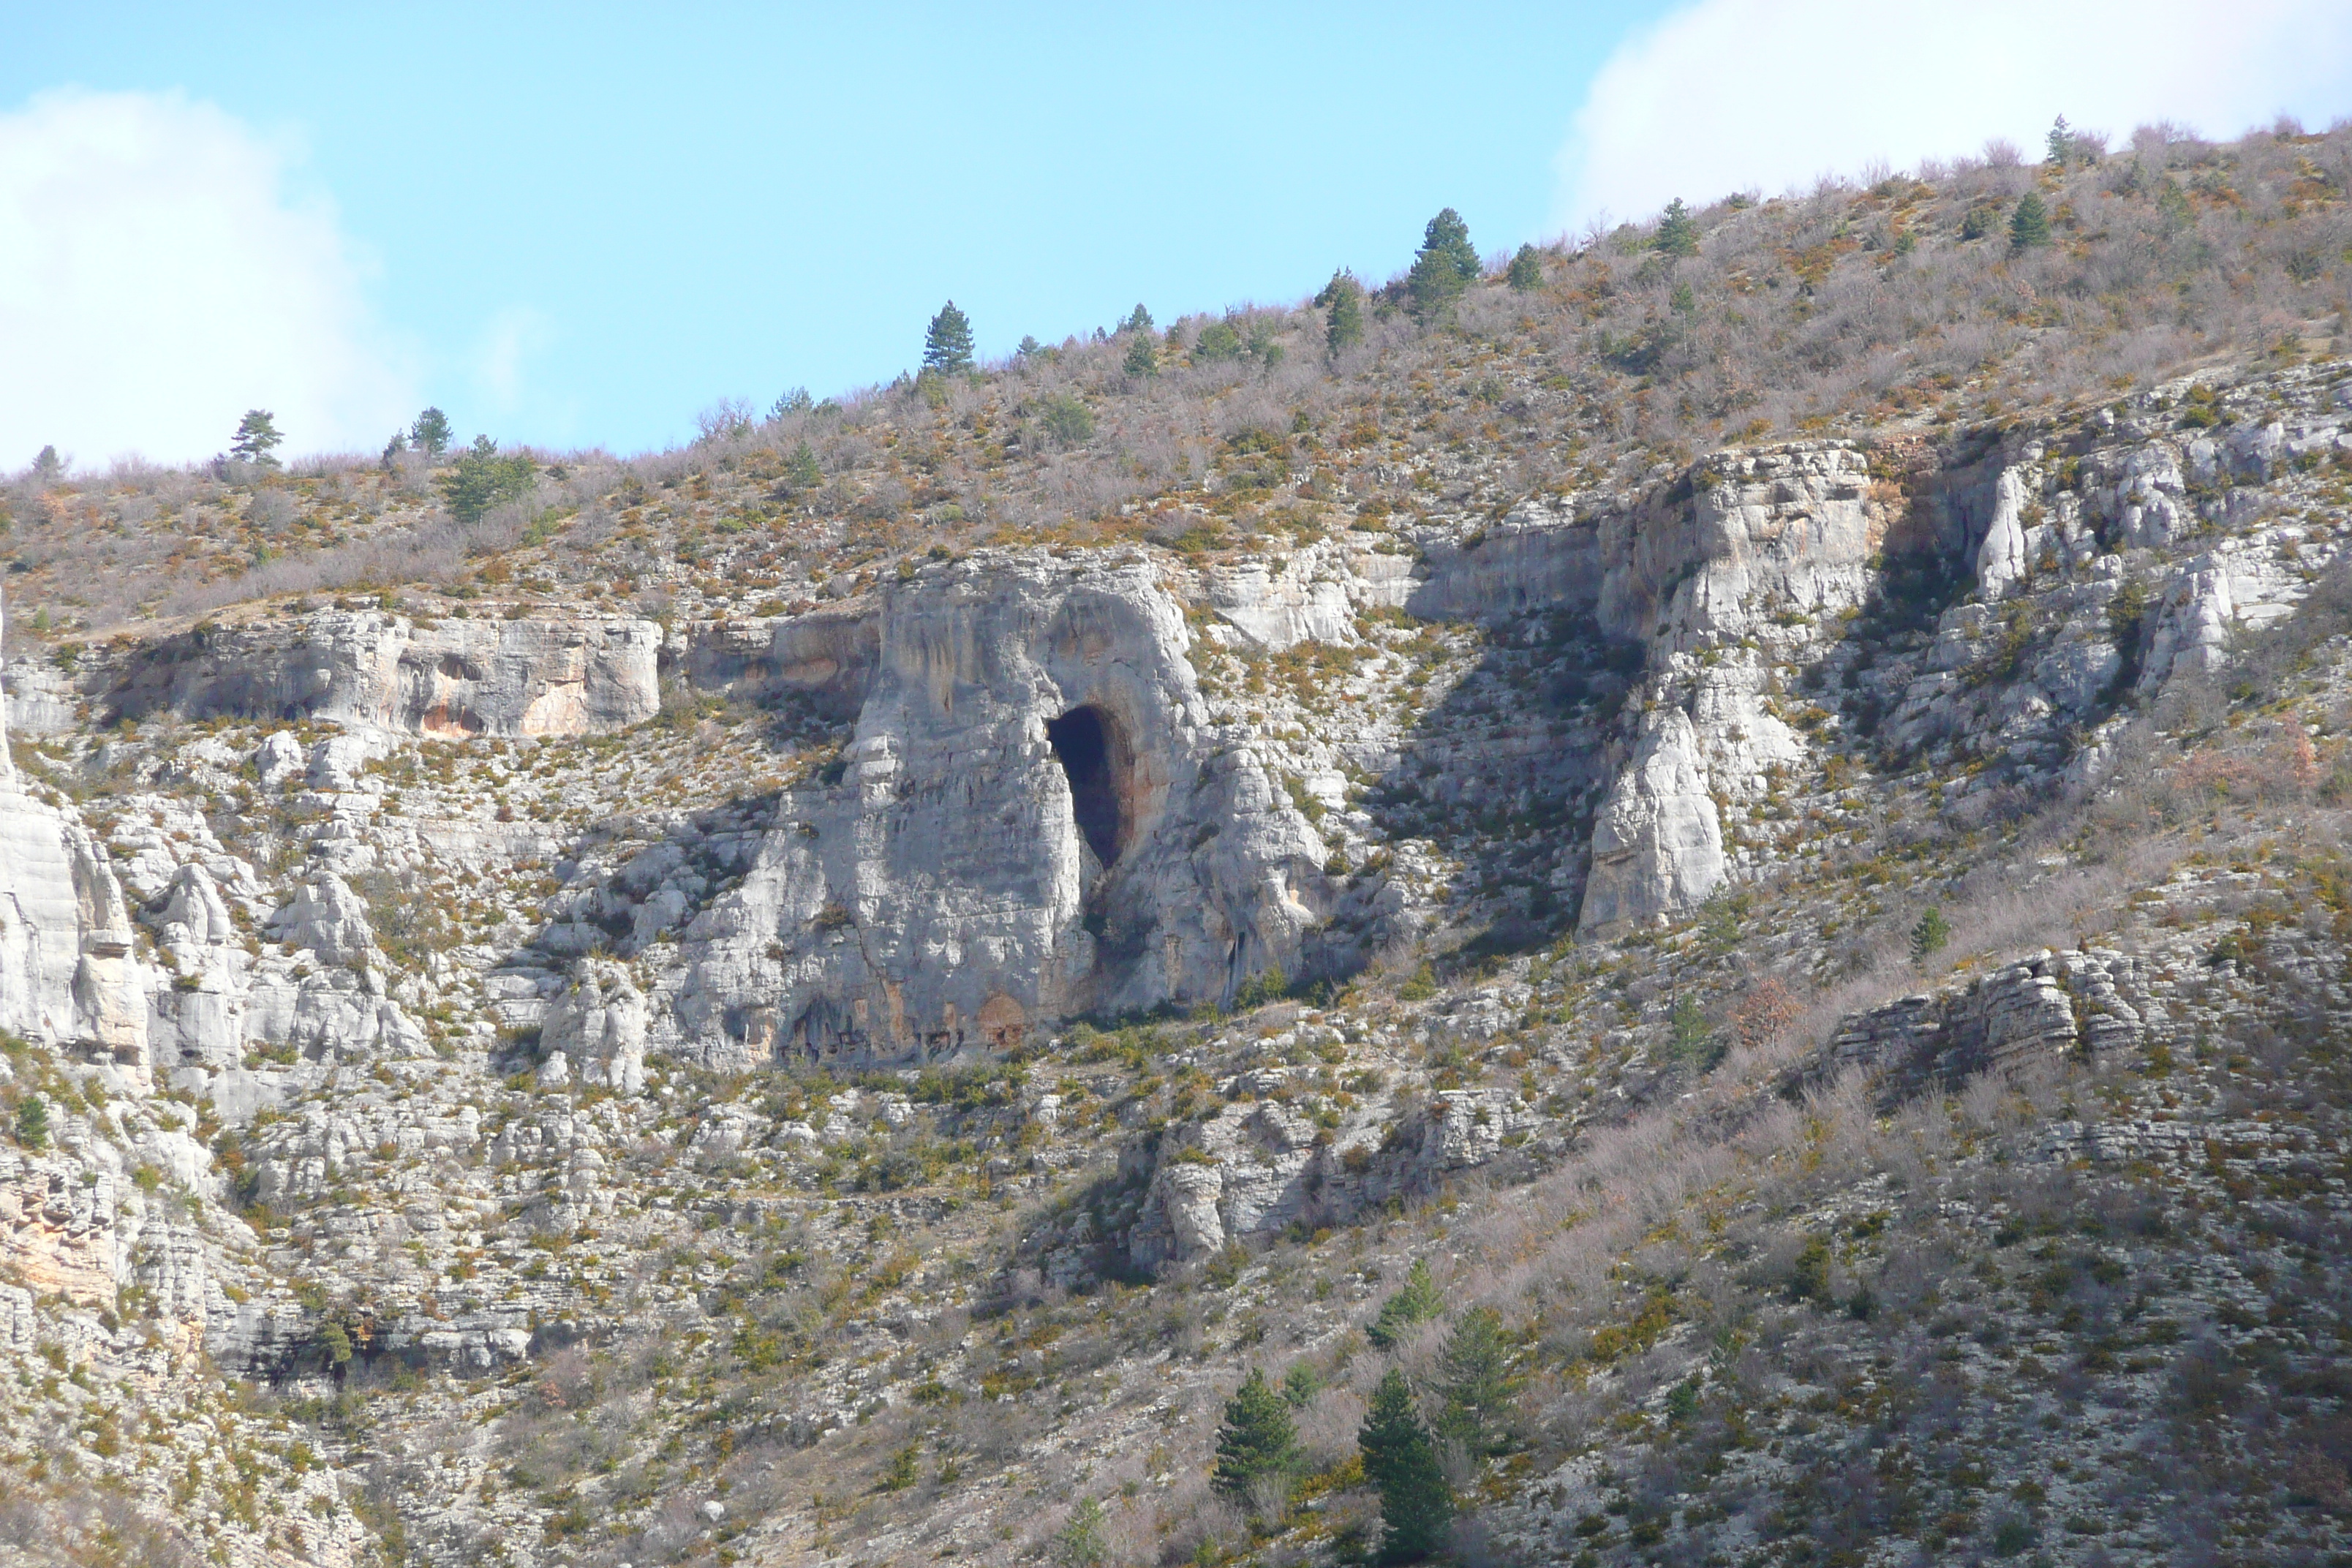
{"points": [[1218, 340], [1067, 420], [901, 1472], [1929, 935], [2028, 227], [1079, 1544], [1269, 984], [484, 479], [1694, 1038], [1415, 1303], [1809, 1280], [33, 1122]]}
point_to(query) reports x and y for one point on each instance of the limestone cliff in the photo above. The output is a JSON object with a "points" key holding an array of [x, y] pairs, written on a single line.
{"points": [[1034, 820], [376, 670], [67, 974]]}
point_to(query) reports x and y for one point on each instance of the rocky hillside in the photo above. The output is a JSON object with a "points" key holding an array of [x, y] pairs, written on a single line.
{"points": [[826, 996]]}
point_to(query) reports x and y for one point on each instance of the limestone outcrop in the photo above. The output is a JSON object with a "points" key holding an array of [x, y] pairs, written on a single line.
{"points": [[827, 655], [1036, 820], [375, 670], [67, 974], [1657, 845], [1747, 559], [598, 1029], [2044, 1005]]}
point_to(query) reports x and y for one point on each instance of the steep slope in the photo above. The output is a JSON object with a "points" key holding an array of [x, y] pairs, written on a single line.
{"points": [[1840, 942]]}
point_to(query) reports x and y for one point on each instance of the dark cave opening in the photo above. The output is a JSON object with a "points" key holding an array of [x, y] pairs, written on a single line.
{"points": [[1087, 746]]}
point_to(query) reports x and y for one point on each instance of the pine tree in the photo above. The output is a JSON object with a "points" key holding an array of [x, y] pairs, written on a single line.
{"points": [[256, 439], [1478, 1383], [47, 466], [1143, 356], [2029, 225], [1527, 271], [1693, 1036], [1257, 1439], [1449, 236], [1677, 230], [1343, 322], [483, 479], [1442, 268], [2172, 209], [33, 1122], [802, 468], [393, 448], [2060, 145], [1417, 1505], [1138, 319], [1929, 936], [794, 401], [1079, 1544], [947, 345], [1417, 1302], [432, 433]]}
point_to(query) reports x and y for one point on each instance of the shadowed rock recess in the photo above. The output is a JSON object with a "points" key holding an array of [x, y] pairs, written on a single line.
{"points": [[825, 997]]}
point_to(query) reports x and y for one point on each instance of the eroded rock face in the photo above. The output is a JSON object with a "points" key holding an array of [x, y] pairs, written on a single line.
{"points": [[598, 1027], [1033, 822], [67, 971], [827, 656], [327, 918], [1756, 542], [1657, 845], [1264, 1163], [373, 669]]}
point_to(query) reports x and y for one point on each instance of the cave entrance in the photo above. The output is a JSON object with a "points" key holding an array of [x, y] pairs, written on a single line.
{"points": [[1086, 743]]}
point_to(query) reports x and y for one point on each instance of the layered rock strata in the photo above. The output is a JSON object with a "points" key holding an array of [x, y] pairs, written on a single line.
{"points": [[541, 677]]}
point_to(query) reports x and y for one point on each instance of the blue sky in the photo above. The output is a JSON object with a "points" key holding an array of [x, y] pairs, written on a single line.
{"points": [[577, 226]]}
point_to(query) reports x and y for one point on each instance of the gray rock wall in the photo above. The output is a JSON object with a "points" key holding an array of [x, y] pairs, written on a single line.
{"points": [[67, 974], [944, 899], [828, 655], [373, 669]]}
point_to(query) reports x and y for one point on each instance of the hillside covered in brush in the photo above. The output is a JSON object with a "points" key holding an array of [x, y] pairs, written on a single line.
{"points": [[1680, 899]]}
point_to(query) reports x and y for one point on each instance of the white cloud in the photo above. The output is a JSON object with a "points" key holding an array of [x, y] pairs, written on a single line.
{"points": [[1726, 95], [157, 279], [513, 335]]}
